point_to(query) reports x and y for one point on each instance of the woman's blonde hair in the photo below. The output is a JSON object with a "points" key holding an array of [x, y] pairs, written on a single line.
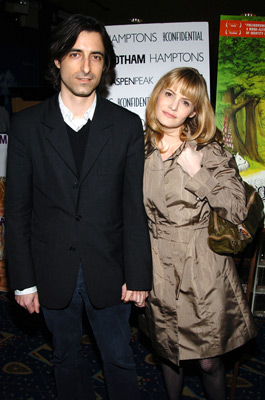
{"points": [[192, 85]]}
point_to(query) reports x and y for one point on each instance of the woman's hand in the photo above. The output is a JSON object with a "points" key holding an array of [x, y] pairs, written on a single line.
{"points": [[136, 296], [190, 160]]}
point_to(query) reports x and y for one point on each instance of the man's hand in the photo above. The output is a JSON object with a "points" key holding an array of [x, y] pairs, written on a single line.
{"points": [[137, 296], [29, 301]]}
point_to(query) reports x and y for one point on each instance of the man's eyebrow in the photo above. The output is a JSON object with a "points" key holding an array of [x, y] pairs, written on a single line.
{"points": [[77, 50], [98, 52], [81, 51]]}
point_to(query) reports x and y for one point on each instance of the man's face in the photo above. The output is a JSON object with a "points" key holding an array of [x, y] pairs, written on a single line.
{"points": [[81, 69]]}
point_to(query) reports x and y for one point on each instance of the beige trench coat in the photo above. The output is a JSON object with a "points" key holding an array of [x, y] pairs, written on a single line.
{"points": [[197, 308]]}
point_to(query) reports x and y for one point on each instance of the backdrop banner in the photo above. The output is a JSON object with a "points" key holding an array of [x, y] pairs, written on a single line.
{"points": [[4, 124], [145, 52], [240, 95]]}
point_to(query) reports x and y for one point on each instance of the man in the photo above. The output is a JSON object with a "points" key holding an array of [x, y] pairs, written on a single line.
{"points": [[75, 224]]}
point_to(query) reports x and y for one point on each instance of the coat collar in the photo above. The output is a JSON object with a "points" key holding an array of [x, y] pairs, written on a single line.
{"points": [[100, 133], [149, 148]]}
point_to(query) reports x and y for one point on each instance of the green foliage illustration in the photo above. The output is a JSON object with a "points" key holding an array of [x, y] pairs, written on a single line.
{"points": [[240, 102]]}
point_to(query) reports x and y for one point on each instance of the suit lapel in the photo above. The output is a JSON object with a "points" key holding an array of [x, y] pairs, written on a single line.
{"points": [[57, 133], [100, 133]]}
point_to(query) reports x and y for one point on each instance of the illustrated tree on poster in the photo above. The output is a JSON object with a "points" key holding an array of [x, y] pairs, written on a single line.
{"points": [[241, 93]]}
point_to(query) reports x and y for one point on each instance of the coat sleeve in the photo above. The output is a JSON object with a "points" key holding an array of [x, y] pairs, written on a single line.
{"points": [[137, 251], [220, 183], [18, 208]]}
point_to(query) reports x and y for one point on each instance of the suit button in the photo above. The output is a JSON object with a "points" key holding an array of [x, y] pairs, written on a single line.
{"points": [[76, 185], [78, 217], [72, 249]]}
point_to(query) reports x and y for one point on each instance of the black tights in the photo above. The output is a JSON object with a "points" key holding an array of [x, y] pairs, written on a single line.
{"points": [[173, 377], [212, 374]]}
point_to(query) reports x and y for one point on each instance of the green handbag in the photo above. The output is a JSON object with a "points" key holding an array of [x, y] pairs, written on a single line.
{"points": [[226, 238]]}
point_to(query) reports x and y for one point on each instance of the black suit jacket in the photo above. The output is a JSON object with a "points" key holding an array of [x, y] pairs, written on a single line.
{"points": [[54, 219]]}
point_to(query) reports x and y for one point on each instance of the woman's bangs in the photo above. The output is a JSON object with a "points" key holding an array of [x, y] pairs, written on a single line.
{"points": [[189, 90]]}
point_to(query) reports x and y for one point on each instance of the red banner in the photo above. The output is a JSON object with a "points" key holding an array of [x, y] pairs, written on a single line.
{"points": [[239, 28]]}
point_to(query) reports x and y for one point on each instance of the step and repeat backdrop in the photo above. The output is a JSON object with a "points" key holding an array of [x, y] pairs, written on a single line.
{"points": [[145, 52]]}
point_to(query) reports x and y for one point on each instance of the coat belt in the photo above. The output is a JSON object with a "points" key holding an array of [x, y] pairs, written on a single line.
{"points": [[174, 233]]}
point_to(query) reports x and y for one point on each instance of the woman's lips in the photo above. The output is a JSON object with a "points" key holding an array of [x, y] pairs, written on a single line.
{"points": [[168, 115]]}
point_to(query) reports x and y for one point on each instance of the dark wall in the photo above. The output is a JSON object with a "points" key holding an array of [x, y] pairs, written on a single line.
{"points": [[23, 38]]}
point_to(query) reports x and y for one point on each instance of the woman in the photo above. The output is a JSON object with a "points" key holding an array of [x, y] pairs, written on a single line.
{"points": [[197, 309]]}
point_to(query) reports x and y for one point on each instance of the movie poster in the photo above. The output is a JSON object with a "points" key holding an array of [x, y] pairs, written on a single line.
{"points": [[240, 99]]}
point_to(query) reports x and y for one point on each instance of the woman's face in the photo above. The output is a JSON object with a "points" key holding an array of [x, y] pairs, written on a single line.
{"points": [[173, 108]]}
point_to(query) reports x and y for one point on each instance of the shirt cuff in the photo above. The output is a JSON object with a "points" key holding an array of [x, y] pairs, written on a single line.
{"points": [[30, 290]]}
